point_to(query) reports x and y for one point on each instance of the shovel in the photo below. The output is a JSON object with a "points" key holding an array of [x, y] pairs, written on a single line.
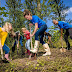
{"points": [[18, 43], [31, 39], [62, 50], [31, 46]]}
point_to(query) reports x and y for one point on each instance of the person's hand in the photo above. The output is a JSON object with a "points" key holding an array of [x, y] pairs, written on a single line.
{"points": [[31, 35], [17, 46]]}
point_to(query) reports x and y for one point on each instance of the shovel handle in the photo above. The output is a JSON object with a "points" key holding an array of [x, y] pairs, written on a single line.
{"points": [[62, 42], [31, 39]]}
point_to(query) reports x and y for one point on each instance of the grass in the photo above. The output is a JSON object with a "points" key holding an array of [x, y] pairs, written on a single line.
{"points": [[57, 62]]}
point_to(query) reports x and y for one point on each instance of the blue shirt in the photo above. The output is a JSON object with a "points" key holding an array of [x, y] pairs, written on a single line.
{"points": [[64, 25], [36, 19]]}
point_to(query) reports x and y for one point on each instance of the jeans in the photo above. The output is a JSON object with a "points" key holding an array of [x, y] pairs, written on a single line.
{"points": [[27, 44], [21, 41], [40, 33], [6, 49], [17, 42], [13, 48]]}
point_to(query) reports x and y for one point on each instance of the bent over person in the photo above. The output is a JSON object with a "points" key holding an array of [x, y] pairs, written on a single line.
{"points": [[35, 20]]}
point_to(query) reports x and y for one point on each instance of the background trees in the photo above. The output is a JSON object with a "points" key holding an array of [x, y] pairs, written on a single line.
{"points": [[45, 9]]}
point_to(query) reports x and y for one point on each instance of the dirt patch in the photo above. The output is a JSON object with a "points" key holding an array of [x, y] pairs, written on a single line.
{"points": [[54, 63]]}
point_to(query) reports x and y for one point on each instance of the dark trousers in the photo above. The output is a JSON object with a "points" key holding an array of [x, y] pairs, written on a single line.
{"points": [[68, 32], [13, 48]]}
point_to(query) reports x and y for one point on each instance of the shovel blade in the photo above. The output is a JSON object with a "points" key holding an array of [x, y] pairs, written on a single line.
{"points": [[62, 50]]}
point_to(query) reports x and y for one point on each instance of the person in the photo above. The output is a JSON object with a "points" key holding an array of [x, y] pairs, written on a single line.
{"points": [[35, 20], [16, 35], [68, 31], [27, 35], [49, 38], [3, 35]]}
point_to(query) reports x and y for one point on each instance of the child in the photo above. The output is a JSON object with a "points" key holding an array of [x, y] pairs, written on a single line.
{"points": [[68, 29], [27, 35], [16, 35], [3, 35], [42, 27]]}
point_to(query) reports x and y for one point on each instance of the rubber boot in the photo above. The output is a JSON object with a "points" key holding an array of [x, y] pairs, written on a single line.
{"points": [[36, 46], [28, 52], [47, 49]]}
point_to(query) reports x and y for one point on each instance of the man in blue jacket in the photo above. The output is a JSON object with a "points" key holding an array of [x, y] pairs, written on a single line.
{"points": [[68, 31]]}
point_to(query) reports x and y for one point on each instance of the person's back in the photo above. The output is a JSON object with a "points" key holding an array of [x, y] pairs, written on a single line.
{"points": [[64, 25], [36, 19]]}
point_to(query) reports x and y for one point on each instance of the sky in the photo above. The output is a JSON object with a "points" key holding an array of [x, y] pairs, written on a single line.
{"points": [[69, 12], [49, 23]]}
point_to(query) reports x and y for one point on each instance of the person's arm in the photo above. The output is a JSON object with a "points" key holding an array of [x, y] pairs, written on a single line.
{"points": [[36, 27], [18, 45], [61, 32], [61, 28]]}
